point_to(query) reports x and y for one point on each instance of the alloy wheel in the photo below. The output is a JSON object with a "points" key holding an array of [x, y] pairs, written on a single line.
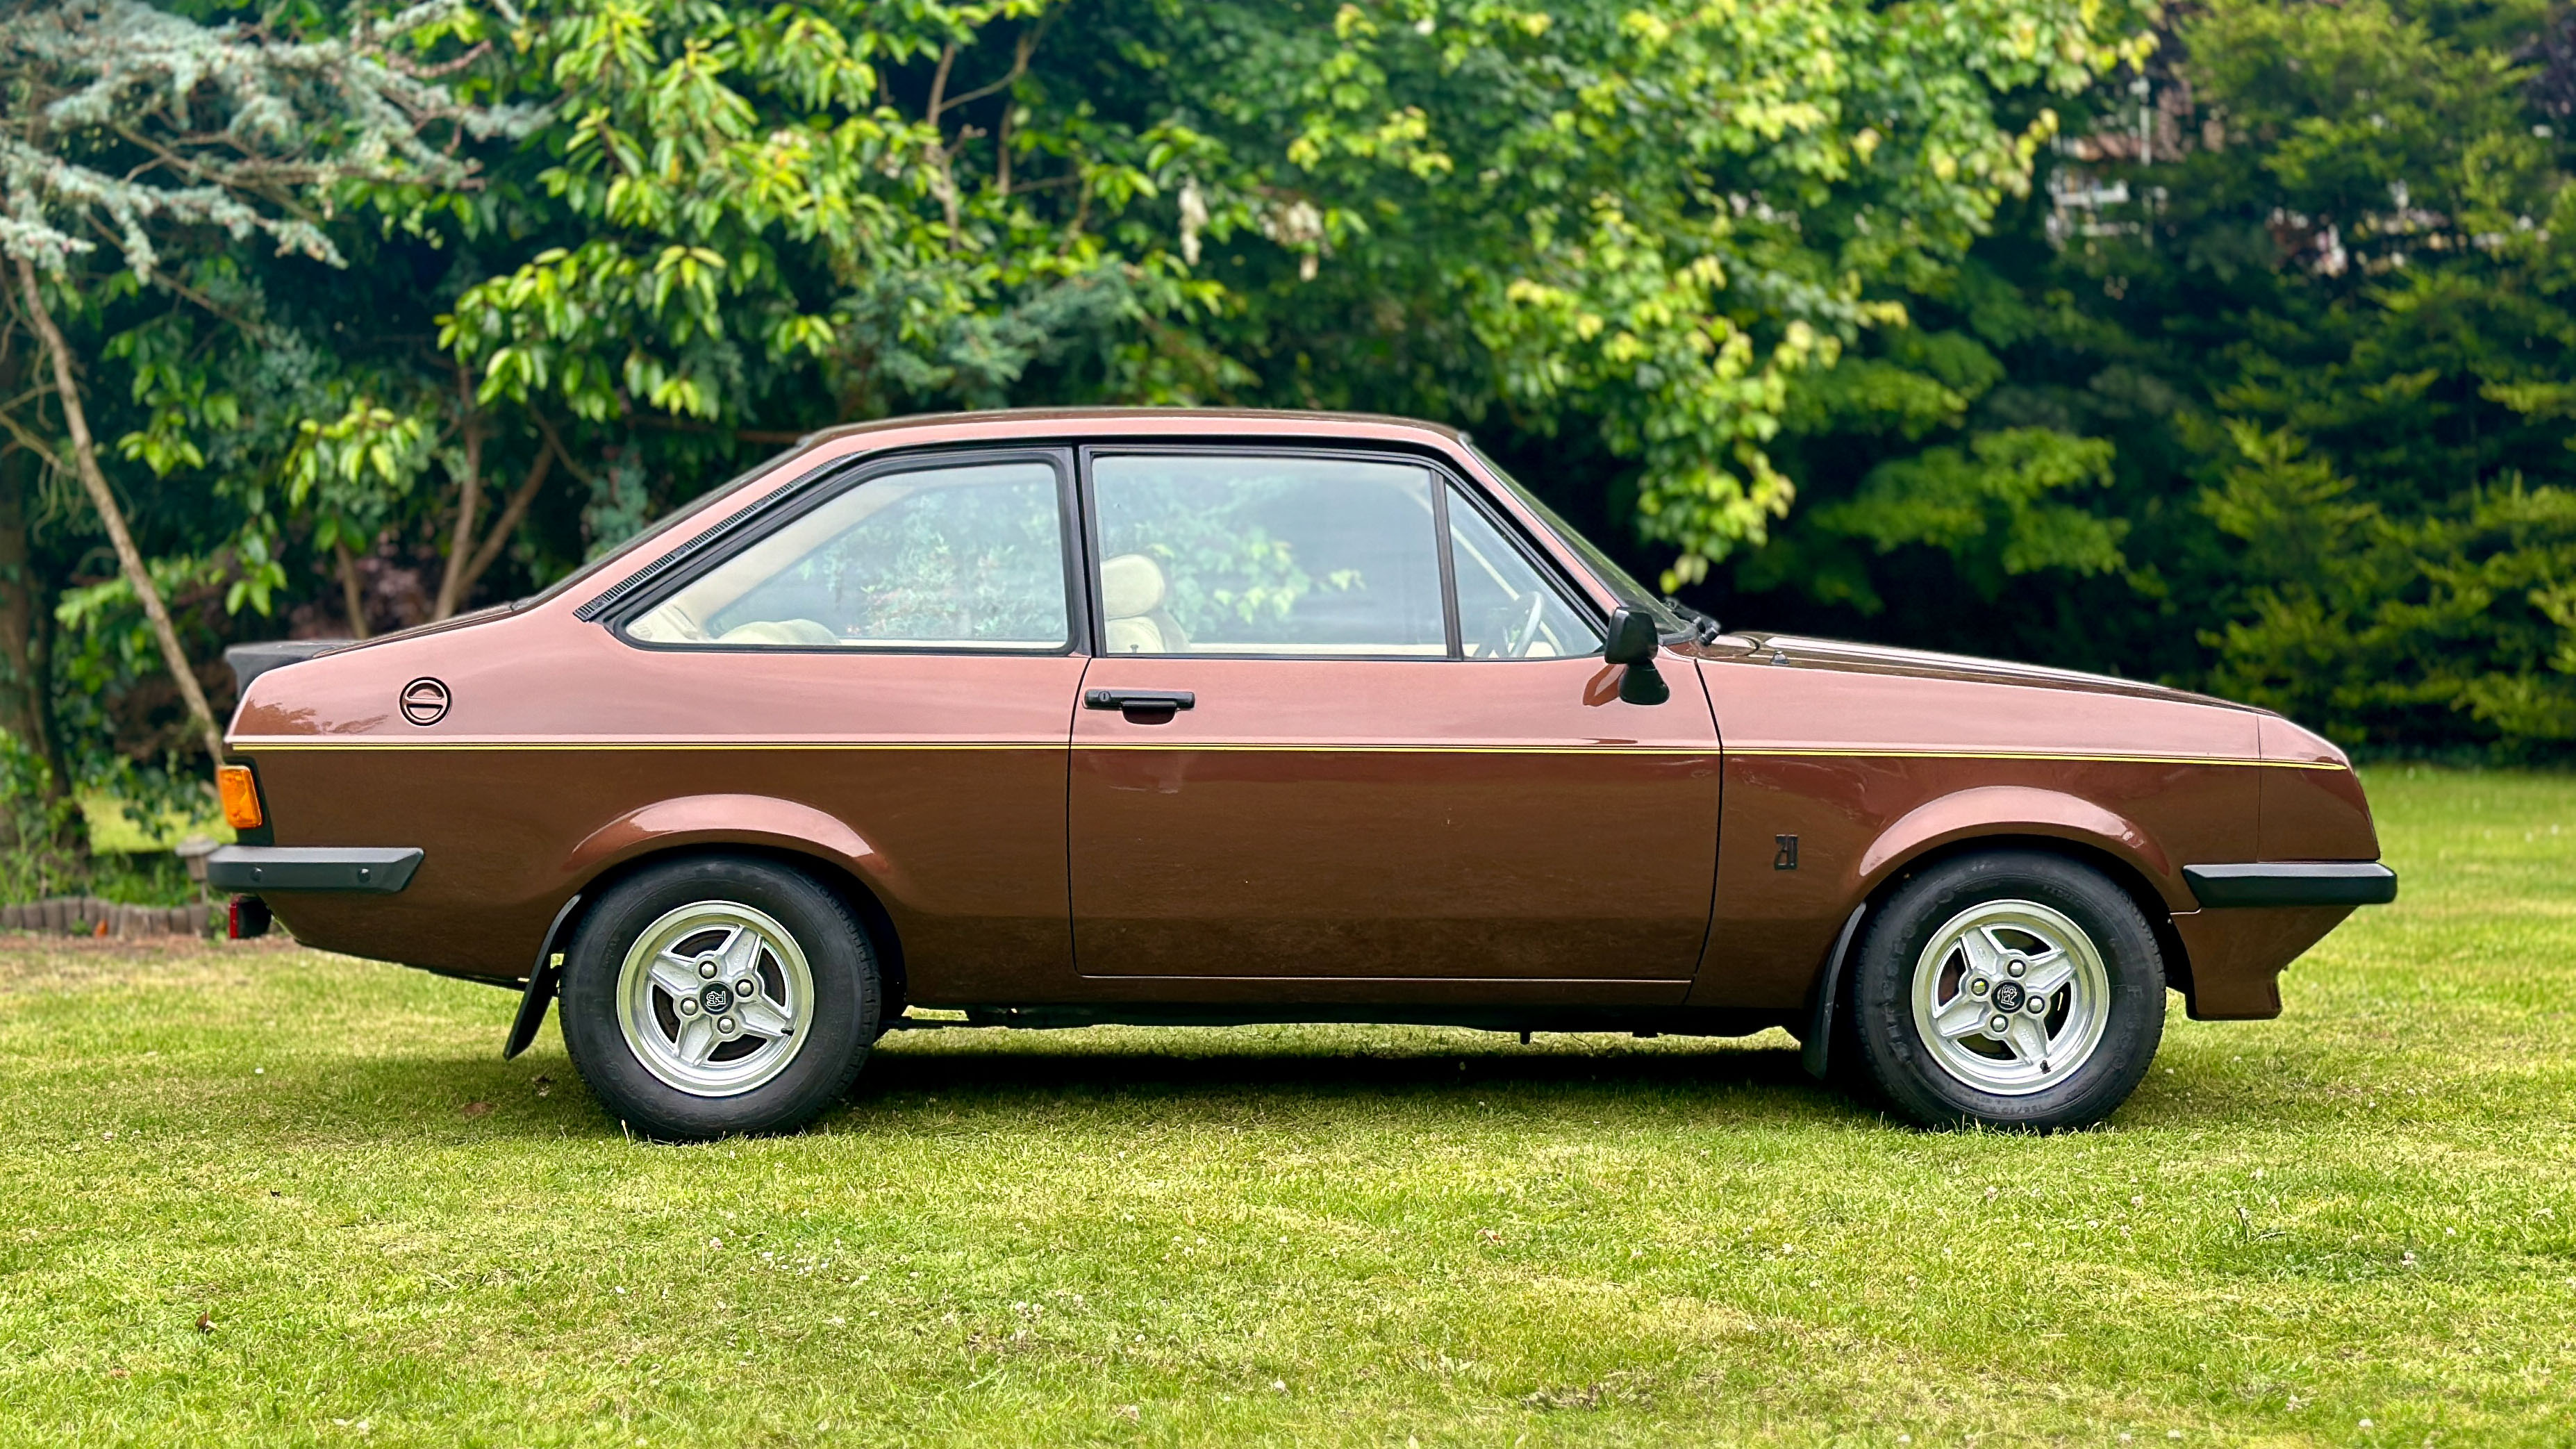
{"points": [[715, 998], [2011, 997]]}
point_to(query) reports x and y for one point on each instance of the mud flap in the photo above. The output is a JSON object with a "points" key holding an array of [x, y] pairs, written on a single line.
{"points": [[1820, 1027], [542, 980]]}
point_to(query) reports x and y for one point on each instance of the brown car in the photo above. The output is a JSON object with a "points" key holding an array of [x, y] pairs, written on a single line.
{"points": [[1221, 717]]}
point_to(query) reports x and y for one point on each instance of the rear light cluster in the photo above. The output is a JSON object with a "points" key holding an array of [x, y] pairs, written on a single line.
{"points": [[246, 918]]}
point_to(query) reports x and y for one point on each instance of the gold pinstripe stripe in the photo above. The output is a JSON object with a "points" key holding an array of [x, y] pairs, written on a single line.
{"points": [[257, 745], [263, 745], [2054, 756]]}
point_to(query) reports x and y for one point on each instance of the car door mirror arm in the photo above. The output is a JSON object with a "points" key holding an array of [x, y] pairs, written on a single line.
{"points": [[1634, 642]]}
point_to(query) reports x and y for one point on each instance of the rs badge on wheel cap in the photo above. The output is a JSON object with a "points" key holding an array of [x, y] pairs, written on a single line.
{"points": [[424, 701], [2008, 996]]}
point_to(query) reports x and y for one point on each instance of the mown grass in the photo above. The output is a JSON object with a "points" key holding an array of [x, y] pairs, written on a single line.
{"points": [[2349, 1226]]}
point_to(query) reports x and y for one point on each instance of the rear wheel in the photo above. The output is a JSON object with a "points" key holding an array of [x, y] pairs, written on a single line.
{"points": [[715, 995], [2010, 989]]}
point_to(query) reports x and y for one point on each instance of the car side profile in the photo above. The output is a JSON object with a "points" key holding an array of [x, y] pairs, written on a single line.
{"points": [[1162, 716]]}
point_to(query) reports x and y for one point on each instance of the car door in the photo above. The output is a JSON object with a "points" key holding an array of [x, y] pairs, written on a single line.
{"points": [[897, 648], [1345, 728]]}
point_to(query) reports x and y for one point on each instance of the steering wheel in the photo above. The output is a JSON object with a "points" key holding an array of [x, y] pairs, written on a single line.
{"points": [[1529, 627]]}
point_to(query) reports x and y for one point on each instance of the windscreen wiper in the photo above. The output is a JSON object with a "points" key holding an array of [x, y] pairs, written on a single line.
{"points": [[1704, 625]]}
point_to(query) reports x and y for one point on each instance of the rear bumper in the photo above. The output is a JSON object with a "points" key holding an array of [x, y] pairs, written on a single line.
{"points": [[2292, 883], [377, 869]]}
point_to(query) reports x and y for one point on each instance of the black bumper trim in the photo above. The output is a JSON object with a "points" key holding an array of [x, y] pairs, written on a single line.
{"points": [[260, 869], [2293, 883]]}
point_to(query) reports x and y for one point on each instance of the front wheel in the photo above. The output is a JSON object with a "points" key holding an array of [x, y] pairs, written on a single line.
{"points": [[716, 995], [2010, 989]]}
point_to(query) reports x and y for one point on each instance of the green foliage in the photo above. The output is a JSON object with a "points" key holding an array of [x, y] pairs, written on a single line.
{"points": [[2321, 346], [1842, 316], [39, 839], [1988, 506], [1640, 220], [2389, 621], [742, 198], [235, 126]]}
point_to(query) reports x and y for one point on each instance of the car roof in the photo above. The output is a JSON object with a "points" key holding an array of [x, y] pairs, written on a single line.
{"points": [[1212, 421]]}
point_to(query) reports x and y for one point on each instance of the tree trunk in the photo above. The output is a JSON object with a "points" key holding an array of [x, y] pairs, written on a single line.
{"points": [[507, 523], [40, 662], [460, 549], [352, 594], [128, 557], [24, 602]]}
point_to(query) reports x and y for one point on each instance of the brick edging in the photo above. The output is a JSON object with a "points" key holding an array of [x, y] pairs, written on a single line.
{"points": [[81, 916]]}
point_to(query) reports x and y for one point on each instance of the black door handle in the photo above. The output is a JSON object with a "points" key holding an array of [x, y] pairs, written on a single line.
{"points": [[1139, 701]]}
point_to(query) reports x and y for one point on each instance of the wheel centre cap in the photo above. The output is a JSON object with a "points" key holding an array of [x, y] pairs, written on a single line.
{"points": [[2007, 996], [715, 998]]}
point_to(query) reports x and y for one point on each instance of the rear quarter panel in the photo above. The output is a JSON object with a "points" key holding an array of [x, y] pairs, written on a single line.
{"points": [[937, 781]]}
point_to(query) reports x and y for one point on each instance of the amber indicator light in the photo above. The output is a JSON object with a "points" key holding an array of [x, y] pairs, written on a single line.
{"points": [[241, 796]]}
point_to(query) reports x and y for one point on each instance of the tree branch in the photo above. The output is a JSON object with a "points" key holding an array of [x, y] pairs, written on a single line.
{"points": [[562, 454], [469, 497], [128, 557], [1019, 64], [508, 522], [939, 82], [40, 446], [351, 595]]}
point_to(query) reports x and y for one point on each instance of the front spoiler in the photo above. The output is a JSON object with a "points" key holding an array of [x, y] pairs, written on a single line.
{"points": [[2293, 883], [377, 869]]}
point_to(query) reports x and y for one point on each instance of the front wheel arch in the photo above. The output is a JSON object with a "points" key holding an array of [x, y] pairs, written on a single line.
{"points": [[2049, 893], [1830, 1001], [2131, 881]]}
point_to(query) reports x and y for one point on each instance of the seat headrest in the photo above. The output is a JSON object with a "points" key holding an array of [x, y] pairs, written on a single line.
{"points": [[1130, 585]]}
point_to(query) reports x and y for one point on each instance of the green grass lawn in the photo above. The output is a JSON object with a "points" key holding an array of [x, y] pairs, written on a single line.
{"points": [[2350, 1226]]}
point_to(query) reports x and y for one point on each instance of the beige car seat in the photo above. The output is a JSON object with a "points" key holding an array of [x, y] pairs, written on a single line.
{"points": [[1134, 621], [779, 631]]}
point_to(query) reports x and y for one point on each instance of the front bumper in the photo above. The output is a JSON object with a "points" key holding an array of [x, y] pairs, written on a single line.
{"points": [[2292, 883], [378, 869]]}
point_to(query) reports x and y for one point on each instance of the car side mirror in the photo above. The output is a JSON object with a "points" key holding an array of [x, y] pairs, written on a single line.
{"points": [[1634, 641]]}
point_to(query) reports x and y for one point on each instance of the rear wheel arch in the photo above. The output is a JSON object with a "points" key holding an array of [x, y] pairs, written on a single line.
{"points": [[764, 1048], [832, 875]]}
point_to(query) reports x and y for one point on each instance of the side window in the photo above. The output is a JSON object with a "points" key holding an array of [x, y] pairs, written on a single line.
{"points": [[1248, 555], [961, 557], [1506, 607]]}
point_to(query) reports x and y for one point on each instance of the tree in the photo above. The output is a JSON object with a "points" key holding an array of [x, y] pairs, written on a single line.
{"points": [[2307, 279], [1645, 220], [128, 123], [1640, 218], [748, 222]]}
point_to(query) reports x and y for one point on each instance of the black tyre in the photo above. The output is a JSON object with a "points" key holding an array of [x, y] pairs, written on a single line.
{"points": [[715, 995], [2013, 988]]}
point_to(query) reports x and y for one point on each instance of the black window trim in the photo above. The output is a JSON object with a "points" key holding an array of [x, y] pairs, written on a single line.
{"points": [[640, 593], [627, 583], [1445, 476], [1550, 576]]}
